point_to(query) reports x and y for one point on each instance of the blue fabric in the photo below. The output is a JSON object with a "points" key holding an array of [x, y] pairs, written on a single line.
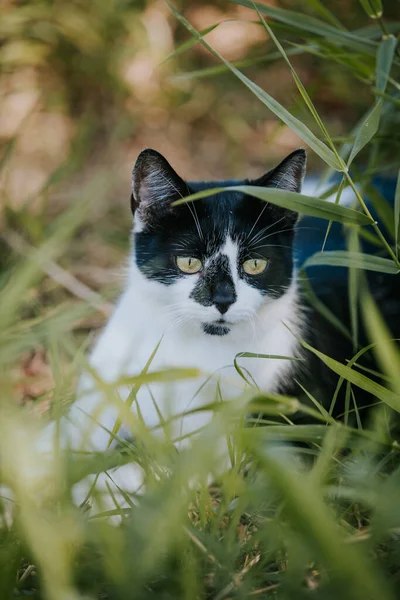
{"points": [[310, 234]]}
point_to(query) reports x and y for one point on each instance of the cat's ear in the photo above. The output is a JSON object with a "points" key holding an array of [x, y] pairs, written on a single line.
{"points": [[288, 175], [155, 185]]}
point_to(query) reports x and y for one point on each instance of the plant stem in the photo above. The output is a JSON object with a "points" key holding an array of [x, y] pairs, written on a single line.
{"points": [[373, 222]]}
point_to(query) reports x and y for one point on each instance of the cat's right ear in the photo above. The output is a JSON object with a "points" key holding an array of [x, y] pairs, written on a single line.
{"points": [[155, 185]]}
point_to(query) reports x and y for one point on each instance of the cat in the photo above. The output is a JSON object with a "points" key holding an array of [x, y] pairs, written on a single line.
{"points": [[206, 281]]}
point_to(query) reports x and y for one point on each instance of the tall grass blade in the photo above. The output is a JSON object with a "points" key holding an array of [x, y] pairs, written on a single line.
{"points": [[305, 205], [298, 83], [387, 352], [367, 130], [315, 26], [373, 8], [297, 126], [397, 213], [308, 513], [189, 43], [357, 260], [384, 59], [387, 396]]}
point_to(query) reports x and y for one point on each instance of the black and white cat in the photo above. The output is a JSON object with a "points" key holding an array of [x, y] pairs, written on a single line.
{"points": [[207, 280]]}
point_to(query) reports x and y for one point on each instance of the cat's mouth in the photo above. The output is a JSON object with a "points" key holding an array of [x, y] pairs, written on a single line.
{"points": [[219, 327]]}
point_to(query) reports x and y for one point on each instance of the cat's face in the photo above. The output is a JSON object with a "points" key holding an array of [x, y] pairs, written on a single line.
{"points": [[218, 259]]}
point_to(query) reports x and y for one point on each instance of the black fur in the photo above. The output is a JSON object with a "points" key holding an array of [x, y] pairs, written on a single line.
{"points": [[200, 229], [262, 230]]}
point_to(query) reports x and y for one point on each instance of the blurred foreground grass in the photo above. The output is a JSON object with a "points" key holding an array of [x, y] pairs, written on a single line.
{"points": [[82, 91]]}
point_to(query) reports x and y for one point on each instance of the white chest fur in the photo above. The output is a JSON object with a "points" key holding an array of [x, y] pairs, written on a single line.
{"points": [[141, 321]]}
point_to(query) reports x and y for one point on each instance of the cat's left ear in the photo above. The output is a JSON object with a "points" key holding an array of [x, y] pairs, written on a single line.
{"points": [[288, 175]]}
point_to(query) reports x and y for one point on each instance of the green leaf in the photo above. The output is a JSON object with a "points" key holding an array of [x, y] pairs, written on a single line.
{"points": [[384, 59], [326, 14], [357, 260], [309, 515], [297, 126], [397, 212], [299, 84], [306, 205], [387, 396], [314, 26], [243, 64], [366, 131], [382, 206], [386, 350], [373, 8], [316, 303], [188, 44]]}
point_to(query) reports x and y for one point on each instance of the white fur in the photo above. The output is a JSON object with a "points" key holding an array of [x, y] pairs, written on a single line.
{"points": [[148, 312]]}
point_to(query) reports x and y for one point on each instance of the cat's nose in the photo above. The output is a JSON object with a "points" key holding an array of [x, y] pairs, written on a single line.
{"points": [[224, 296]]}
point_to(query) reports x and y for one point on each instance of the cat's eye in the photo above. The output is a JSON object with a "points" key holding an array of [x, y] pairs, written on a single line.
{"points": [[255, 266], [188, 264]]}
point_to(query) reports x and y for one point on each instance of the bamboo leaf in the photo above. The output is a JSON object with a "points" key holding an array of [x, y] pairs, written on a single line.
{"points": [[314, 26], [367, 130], [373, 8], [397, 212], [387, 396], [297, 126], [384, 59], [386, 350], [188, 44], [306, 205], [243, 64], [298, 83], [357, 260]]}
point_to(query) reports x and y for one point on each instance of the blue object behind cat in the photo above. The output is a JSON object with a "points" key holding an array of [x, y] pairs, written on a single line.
{"points": [[310, 235]]}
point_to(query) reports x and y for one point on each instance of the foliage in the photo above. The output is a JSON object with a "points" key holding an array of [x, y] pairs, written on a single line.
{"points": [[314, 513]]}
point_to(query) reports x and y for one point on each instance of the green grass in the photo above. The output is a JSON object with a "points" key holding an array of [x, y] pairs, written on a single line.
{"points": [[317, 517]]}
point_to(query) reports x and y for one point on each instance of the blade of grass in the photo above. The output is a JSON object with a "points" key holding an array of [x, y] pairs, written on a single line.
{"points": [[354, 280], [385, 349], [397, 213], [298, 83], [314, 26], [366, 131], [373, 8], [298, 127], [306, 205], [243, 64], [387, 396], [384, 59], [357, 260], [189, 43]]}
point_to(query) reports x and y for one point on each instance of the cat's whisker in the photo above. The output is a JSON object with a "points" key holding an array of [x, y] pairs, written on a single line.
{"points": [[256, 221], [255, 238]]}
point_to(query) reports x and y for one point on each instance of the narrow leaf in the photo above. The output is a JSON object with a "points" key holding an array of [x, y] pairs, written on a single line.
{"points": [[314, 26], [387, 396], [397, 212], [386, 350], [367, 130], [357, 260], [297, 126], [373, 8], [306, 205], [298, 82], [384, 59], [189, 43]]}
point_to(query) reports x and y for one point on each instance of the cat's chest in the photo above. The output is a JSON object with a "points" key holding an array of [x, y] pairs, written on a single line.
{"points": [[127, 345]]}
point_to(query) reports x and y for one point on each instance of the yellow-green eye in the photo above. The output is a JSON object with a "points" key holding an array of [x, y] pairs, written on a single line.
{"points": [[188, 264], [255, 266]]}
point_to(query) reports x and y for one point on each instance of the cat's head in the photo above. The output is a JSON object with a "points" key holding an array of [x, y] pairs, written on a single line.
{"points": [[218, 259]]}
